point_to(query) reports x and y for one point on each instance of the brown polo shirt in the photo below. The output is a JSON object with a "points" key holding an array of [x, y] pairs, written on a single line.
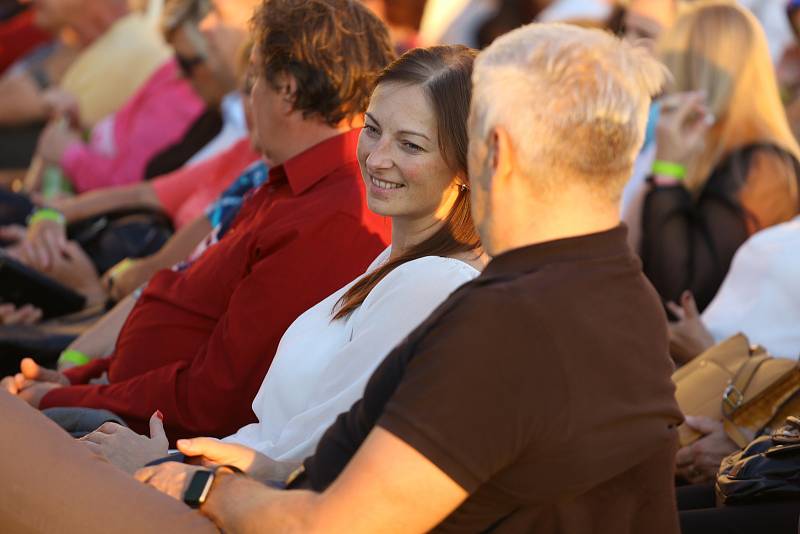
{"points": [[542, 388]]}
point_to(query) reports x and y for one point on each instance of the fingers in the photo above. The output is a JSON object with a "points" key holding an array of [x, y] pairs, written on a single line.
{"points": [[92, 446], [676, 310], [705, 425], [33, 371], [211, 448], [170, 477], [684, 456], [157, 431], [9, 384], [11, 315], [145, 473], [689, 305], [14, 233]]}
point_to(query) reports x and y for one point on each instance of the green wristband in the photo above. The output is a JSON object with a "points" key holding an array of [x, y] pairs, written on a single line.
{"points": [[46, 214], [73, 356], [667, 168]]}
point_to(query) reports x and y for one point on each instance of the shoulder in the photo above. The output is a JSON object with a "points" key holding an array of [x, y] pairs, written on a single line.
{"points": [[431, 278], [431, 270]]}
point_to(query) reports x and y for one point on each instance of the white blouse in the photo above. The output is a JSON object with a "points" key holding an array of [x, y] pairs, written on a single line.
{"points": [[321, 366], [761, 293]]}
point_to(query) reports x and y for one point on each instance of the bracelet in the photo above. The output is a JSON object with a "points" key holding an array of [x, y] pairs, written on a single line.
{"points": [[73, 356], [46, 214], [667, 168]]}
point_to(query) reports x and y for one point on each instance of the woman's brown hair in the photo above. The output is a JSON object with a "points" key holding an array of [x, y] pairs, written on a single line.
{"points": [[444, 73]]}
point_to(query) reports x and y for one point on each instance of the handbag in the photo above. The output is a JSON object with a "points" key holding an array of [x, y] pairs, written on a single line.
{"points": [[110, 238], [739, 384], [767, 469]]}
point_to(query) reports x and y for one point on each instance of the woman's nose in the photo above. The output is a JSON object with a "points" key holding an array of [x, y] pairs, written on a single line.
{"points": [[379, 157]]}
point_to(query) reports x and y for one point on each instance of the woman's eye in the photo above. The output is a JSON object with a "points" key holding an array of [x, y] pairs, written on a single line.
{"points": [[408, 145], [370, 129]]}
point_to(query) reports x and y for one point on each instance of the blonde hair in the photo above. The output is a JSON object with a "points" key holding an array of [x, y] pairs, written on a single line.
{"points": [[573, 100], [719, 47]]}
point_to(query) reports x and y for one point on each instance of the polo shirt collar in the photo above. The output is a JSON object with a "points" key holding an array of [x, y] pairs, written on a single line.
{"points": [[525, 259], [304, 170]]}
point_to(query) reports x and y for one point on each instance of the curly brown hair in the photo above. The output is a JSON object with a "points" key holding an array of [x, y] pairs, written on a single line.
{"points": [[333, 48]]}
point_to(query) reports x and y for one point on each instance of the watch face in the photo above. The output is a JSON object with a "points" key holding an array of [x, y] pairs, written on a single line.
{"points": [[198, 488]]}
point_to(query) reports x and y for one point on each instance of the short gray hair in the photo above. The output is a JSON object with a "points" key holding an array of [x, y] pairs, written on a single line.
{"points": [[573, 100]]}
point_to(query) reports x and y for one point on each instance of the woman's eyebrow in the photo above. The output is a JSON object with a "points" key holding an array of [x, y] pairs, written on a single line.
{"points": [[370, 117], [402, 132], [411, 132]]}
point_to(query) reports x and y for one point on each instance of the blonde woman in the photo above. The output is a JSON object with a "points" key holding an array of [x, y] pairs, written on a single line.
{"points": [[726, 163]]}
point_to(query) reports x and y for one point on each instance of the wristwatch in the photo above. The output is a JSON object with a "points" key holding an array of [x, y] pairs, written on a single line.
{"points": [[200, 485]]}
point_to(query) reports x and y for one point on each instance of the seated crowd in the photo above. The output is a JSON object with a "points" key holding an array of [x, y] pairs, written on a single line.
{"points": [[334, 269]]}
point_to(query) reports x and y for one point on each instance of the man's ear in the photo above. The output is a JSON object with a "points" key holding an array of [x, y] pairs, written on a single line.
{"points": [[288, 90], [501, 155]]}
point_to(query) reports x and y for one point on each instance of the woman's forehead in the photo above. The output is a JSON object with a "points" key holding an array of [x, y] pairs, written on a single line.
{"points": [[402, 106]]}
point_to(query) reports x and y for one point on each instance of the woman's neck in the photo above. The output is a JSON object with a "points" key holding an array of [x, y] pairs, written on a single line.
{"points": [[407, 233]]}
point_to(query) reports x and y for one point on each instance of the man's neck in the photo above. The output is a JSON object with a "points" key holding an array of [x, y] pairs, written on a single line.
{"points": [[574, 214], [305, 135]]}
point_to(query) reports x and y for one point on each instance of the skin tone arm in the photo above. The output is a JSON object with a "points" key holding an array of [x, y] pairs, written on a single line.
{"points": [[22, 100], [408, 494], [33, 382], [100, 338], [94, 203], [178, 248]]}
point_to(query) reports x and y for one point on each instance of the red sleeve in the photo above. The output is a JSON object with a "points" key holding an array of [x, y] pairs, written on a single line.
{"points": [[213, 395], [83, 373]]}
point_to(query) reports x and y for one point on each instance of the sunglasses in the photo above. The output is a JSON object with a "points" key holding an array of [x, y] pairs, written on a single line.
{"points": [[188, 64]]}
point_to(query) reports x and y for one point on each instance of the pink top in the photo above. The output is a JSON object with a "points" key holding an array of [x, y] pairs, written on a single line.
{"points": [[123, 143], [184, 194]]}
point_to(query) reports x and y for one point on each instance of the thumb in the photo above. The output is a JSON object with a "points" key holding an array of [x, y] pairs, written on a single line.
{"points": [[704, 425], [689, 305], [211, 448], [157, 431], [33, 371]]}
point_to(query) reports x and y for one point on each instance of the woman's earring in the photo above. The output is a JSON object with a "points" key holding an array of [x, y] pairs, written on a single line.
{"points": [[463, 187]]}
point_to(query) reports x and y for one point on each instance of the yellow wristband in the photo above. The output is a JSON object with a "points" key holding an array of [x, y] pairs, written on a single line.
{"points": [[121, 267], [667, 168], [46, 214], [73, 356]]}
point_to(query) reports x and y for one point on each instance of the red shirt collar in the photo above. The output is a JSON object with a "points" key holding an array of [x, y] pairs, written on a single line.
{"points": [[309, 167]]}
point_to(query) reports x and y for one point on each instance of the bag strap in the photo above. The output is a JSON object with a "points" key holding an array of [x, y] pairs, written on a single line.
{"points": [[733, 396]]}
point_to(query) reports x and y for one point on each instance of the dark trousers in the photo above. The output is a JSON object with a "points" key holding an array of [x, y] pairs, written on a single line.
{"points": [[699, 515]]}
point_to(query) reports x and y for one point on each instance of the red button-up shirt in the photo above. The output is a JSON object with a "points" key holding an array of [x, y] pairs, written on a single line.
{"points": [[198, 342]]}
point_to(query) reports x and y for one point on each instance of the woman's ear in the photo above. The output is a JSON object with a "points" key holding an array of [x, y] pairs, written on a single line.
{"points": [[460, 181]]}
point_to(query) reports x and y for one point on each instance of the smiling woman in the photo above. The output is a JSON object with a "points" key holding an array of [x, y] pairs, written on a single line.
{"points": [[413, 156]]}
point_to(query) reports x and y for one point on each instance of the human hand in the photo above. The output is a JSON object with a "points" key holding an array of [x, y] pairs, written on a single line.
{"points": [[682, 126], [68, 264], [61, 103], [54, 141], [34, 382], [44, 238], [171, 478], [122, 279], [125, 448], [11, 315], [210, 452], [689, 336], [13, 233], [700, 461], [31, 372]]}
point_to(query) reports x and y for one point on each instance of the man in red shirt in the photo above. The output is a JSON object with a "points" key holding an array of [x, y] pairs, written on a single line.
{"points": [[199, 340]]}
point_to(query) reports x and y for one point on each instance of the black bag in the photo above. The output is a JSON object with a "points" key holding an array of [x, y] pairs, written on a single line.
{"points": [[110, 238], [767, 469]]}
